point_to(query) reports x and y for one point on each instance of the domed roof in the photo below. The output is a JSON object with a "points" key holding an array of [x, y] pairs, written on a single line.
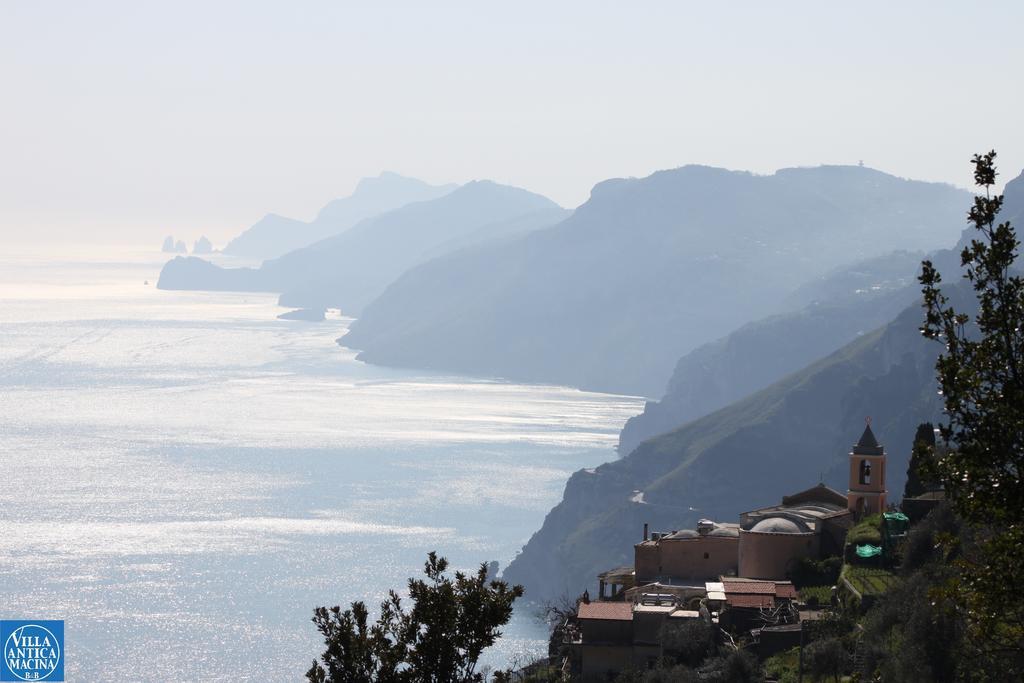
{"points": [[724, 531], [684, 533], [776, 525]]}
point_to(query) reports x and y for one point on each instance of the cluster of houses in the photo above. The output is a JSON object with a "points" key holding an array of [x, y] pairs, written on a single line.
{"points": [[732, 575]]}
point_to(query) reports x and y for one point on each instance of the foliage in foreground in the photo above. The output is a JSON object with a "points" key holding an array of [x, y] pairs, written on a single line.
{"points": [[981, 374], [909, 636], [726, 666], [439, 640], [957, 611]]}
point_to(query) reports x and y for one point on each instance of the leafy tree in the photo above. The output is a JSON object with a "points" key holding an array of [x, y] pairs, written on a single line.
{"points": [[923, 544], [439, 640], [908, 636], [810, 572], [825, 658], [783, 667], [981, 374], [732, 666], [558, 615], [924, 444], [689, 642], [727, 666], [662, 674]]}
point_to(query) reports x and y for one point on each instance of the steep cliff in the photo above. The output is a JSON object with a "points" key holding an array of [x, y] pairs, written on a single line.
{"points": [[833, 310]]}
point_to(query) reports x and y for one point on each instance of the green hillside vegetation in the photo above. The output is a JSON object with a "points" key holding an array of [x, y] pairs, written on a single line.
{"points": [[784, 666], [872, 581], [868, 530], [816, 595]]}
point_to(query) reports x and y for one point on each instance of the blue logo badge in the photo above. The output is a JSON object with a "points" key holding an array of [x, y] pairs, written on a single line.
{"points": [[33, 650]]}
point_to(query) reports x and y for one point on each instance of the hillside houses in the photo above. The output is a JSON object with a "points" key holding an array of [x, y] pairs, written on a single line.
{"points": [[732, 575]]}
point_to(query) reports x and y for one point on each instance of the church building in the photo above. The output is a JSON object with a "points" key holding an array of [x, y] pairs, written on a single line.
{"points": [[866, 494], [767, 542]]}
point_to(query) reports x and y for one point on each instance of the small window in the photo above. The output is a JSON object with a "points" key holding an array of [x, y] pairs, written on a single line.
{"points": [[706, 556], [865, 472]]}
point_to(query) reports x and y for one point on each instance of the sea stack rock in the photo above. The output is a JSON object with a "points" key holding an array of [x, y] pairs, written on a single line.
{"points": [[202, 246]]}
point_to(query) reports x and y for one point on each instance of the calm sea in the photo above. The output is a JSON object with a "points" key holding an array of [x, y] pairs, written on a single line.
{"points": [[184, 477]]}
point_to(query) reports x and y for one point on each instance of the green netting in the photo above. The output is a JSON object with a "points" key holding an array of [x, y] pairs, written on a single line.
{"points": [[896, 523], [868, 550]]}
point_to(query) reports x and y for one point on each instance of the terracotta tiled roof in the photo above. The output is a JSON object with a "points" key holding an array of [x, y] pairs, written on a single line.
{"points": [[613, 611], [745, 600], [785, 590], [750, 587], [781, 590]]}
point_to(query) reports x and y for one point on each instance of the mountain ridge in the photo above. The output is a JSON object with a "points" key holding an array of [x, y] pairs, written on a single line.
{"points": [[645, 271], [351, 268], [274, 235]]}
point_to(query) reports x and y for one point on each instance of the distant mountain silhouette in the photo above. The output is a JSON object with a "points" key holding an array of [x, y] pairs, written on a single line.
{"points": [[270, 237], [645, 271], [274, 235], [854, 282], [1013, 203], [836, 309], [350, 269], [185, 269], [759, 353]]}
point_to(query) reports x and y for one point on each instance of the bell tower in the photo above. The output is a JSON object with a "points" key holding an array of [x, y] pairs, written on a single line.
{"points": [[866, 494]]}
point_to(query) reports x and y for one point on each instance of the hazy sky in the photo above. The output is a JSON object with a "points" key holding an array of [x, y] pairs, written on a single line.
{"points": [[126, 121]]}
